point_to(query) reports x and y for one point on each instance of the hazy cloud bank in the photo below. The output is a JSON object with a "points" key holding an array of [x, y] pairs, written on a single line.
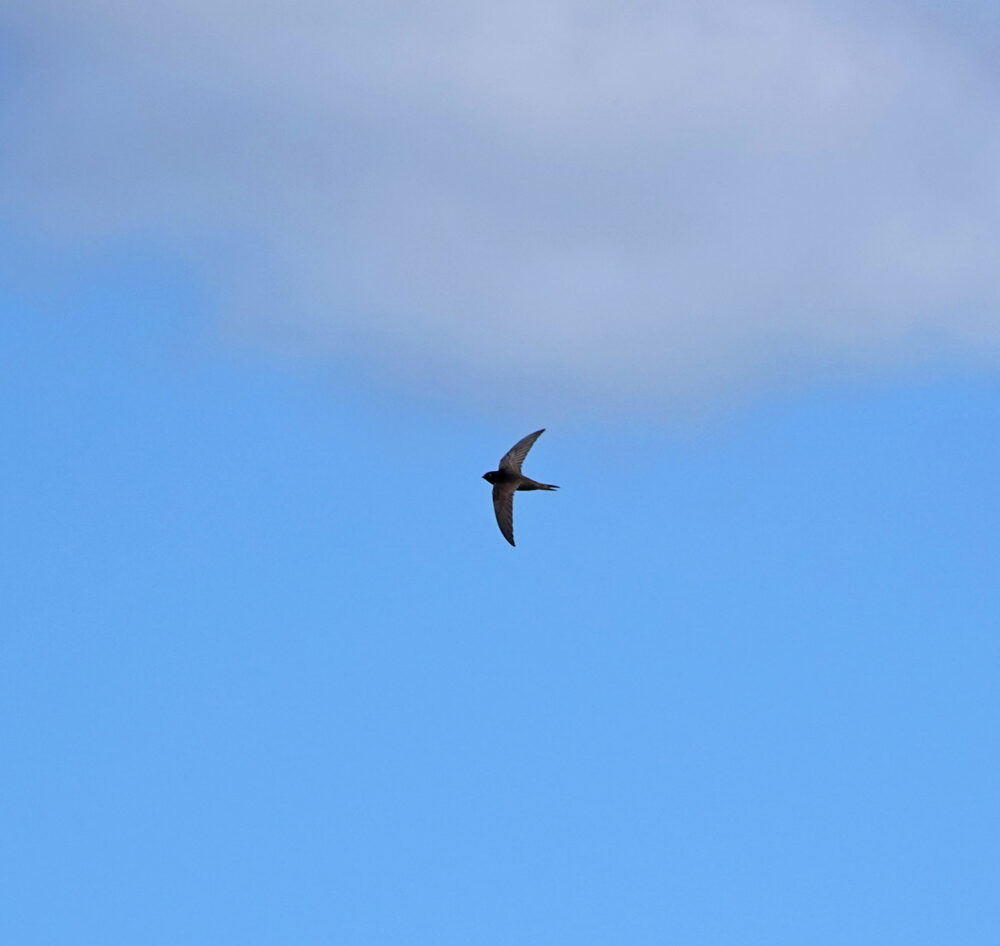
{"points": [[675, 199]]}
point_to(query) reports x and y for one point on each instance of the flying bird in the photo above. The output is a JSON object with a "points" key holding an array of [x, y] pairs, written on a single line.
{"points": [[508, 479]]}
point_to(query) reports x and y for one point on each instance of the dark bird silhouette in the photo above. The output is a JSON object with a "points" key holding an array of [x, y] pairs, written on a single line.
{"points": [[508, 480]]}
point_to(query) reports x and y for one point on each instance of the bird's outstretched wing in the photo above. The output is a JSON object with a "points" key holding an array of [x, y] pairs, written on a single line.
{"points": [[513, 458], [503, 506]]}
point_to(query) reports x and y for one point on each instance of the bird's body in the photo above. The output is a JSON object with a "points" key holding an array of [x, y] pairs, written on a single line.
{"points": [[508, 479]]}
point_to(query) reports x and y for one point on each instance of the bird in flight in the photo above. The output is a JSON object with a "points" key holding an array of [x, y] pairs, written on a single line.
{"points": [[508, 479]]}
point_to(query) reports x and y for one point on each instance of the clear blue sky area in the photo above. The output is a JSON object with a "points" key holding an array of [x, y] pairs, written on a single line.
{"points": [[271, 675]]}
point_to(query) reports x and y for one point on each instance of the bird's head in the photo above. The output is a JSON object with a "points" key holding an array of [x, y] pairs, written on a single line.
{"points": [[490, 477]]}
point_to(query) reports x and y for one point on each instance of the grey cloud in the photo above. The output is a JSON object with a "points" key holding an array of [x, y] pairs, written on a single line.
{"points": [[672, 200]]}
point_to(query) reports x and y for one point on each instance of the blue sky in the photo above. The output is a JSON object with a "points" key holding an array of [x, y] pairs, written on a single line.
{"points": [[271, 675]]}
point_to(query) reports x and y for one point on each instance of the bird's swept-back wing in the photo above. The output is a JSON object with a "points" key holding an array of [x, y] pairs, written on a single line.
{"points": [[511, 463], [503, 506]]}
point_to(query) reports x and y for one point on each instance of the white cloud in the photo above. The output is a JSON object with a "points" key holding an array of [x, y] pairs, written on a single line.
{"points": [[669, 199]]}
